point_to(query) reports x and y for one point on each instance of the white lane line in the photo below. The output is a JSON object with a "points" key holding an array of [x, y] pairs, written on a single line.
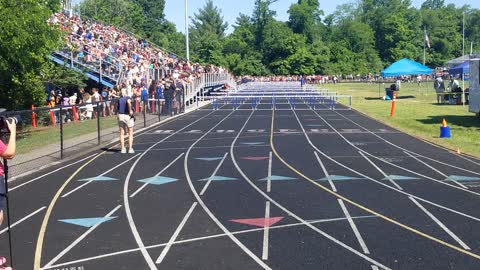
{"points": [[327, 175], [23, 219], [389, 163], [423, 176], [207, 210], [175, 234], [435, 169], [266, 232], [158, 174], [374, 267], [54, 171], [213, 174], [106, 255], [381, 171], [354, 227], [126, 202], [467, 159], [74, 243], [401, 148], [290, 213], [447, 230], [88, 182], [269, 180], [379, 182]]}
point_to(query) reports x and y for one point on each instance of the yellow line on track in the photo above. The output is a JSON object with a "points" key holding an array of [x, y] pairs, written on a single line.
{"points": [[43, 228], [406, 227]]}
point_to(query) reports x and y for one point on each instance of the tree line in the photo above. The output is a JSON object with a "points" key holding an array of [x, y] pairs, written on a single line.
{"points": [[357, 38]]}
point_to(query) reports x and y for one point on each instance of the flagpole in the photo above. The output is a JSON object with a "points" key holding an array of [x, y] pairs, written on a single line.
{"points": [[424, 41]]}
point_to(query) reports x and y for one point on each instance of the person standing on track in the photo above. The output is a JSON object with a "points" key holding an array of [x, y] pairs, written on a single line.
{"points": [[126, 120], [6, 152]]}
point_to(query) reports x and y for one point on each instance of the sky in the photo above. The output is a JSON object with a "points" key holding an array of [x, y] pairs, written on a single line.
{"points": [[175, 9]]}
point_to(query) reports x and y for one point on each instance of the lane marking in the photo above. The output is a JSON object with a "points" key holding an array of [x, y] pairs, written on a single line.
{"points": [[175, 234], [179, 242], [354, 227], [401, 148], [434, 169], [207, 210], [54, 171], [269, 180], [126, 202], [406, 227], [265, 232], [158, 174], [281, 207], [23, 219], [445, 228], [79, 239], [213, 174], [103, 174], [467, 159], [327, 175], [385, 185], [429, 214], [397, 166], [421, 175], [43, 227], [388, 177]]}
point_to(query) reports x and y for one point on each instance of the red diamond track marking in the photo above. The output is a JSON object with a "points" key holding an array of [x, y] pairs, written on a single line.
{"points": [[259, 222]]}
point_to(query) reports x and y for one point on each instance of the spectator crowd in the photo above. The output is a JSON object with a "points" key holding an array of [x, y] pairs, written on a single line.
{"points": [[144, 70]]}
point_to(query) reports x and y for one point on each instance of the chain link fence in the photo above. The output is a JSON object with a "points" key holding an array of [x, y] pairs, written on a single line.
{"points": [[48, 135]]}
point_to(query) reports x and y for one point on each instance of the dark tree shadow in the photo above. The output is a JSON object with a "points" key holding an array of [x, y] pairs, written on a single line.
{"points": [[464, 121], [399, 97]]}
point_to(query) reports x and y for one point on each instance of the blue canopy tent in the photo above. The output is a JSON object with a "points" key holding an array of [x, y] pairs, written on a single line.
{"points": [[406, 67], [463, 68]]}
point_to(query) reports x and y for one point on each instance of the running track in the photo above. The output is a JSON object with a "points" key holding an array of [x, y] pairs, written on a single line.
{"points": [[263, 189]]}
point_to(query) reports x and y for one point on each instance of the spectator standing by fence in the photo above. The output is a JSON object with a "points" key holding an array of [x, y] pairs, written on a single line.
{"points": [[125, 121]]}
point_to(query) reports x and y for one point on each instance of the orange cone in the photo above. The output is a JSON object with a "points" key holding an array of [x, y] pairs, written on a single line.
{"points": [[444, 123]]}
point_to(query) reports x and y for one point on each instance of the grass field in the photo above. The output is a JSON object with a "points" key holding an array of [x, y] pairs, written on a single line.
{"points": [[30, 139], [417, 113]]}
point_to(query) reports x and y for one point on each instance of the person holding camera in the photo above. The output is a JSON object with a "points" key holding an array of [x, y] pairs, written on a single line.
{"points": [[126, 120], [6, 152]]}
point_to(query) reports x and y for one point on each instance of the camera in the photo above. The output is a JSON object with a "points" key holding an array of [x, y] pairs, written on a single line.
{"points": [[3, 123]]}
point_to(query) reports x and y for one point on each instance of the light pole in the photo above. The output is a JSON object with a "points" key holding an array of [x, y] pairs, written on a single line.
{"points": [[463, 55], [186, 30]]}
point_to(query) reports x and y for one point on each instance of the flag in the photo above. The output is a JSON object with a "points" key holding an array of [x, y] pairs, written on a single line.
{"points": [[427, 40]]}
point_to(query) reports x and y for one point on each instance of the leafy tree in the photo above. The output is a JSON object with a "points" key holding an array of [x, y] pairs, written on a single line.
{"points": [[262, 16], [207, 34], [122, 13], [63, 77], [209, 20], [305, 18], [26, 42]]}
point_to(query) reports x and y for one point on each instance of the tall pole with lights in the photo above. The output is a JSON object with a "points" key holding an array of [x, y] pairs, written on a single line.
{"points": [[186, 31]]}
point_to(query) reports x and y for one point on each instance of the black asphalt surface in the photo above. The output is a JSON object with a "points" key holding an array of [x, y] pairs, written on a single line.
{"points": [[392, 202]]}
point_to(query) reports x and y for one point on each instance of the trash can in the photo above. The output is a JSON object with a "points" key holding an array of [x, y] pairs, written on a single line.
{"points": [[389, 93]]}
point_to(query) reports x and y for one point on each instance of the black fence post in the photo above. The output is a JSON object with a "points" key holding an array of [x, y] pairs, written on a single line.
{"points": [[183, 101], [159, 110], [98, 123], [144, 107], [61, 129]]}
